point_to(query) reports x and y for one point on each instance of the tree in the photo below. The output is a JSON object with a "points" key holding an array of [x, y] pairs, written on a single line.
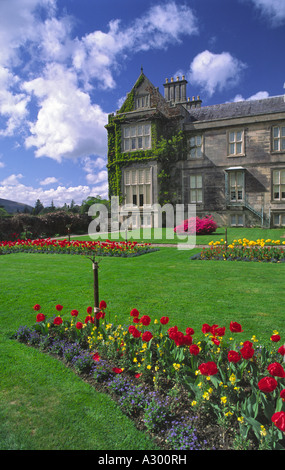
{"points": [[38, 207]]}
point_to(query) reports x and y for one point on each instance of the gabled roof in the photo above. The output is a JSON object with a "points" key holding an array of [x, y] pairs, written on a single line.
{"points": [[275, 104]]}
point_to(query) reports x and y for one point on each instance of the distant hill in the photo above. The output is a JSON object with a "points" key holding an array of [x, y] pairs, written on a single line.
{"points": [[13, 207]]}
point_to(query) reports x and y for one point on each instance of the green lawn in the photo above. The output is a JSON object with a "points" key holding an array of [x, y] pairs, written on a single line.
{"points": [[44, 405], [167, 236]]}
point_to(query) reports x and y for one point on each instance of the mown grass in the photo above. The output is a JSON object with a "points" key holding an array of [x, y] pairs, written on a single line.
{"points": [[167, 236], [44, 405]]}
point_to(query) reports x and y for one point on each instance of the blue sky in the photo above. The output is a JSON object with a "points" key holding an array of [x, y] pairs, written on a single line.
{"points": [[66, 64]]}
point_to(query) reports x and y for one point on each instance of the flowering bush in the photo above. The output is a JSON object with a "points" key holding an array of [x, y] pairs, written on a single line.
{"points": [[147, 363], [196, 225], [80, 247], [244, 249]]}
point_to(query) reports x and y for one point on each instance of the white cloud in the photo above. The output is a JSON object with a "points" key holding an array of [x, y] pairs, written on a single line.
{"points": [[48, 180], [13, 104], [12, 180], [28, 194], [68, 125], [97, 54], [273, 10], [260, 95], [215, 72]]}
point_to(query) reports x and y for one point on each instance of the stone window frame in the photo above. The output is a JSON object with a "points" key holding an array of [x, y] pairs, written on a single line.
{"points": [[278, 140], [279, 184], [196, 148], [134, 135], [142, 101], [236, 224], [235, 142], [281, 219], [196, 189], [138, 186]]}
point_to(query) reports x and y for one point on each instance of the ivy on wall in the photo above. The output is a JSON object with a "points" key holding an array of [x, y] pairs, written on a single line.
{"points": [[167, 148]]}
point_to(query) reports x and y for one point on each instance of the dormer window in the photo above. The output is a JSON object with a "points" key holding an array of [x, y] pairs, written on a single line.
{"points": [[142, 102]]}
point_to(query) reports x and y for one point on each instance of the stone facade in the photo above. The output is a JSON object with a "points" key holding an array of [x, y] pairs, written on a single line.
{"points": [[231, 165]]}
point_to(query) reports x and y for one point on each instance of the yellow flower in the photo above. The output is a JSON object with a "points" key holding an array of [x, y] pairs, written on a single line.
{"points": [[232, 379], [263, 431], [193, 403], [155, 321], [176, 366], [241, 419], [206, 395], [148, 367], [224, 400], [135, 359]]}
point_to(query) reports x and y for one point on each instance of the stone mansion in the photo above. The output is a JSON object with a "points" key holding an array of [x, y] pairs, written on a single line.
{"points": [[227, 159]]}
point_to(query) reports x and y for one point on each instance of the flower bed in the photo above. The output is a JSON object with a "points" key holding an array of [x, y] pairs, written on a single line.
{"points": [[190, 390], [245, 250], [76, 247]]}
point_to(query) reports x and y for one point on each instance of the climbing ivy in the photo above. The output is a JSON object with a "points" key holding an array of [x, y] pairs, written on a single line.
{"points": [[167, 148]]}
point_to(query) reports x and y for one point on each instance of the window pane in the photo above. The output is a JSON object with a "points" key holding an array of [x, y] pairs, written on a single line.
{"points": [[147, 142], [146, 129], [133, 131], [126, 144], [275, 131], [240, 220], [134, 177], [199, 195], [199, 181], [231, 137], [128, 195], [198, 140], [147, 194], [282, 219], [239, 136], [147, 175], [276, 145], [282, 144], [199, 152], [192, 196], [127, 177], [133, 143], [276, 219], [240, 179], [127, 132], [232, 149], [282, 176], [282, 191], [140, 143], [141, 176], [140, 130], [276, 177], [276, 192], [192, 181], [239, 148]]}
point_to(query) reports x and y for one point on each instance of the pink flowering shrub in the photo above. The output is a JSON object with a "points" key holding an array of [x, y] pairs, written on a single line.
{"points": [[196, 225]]}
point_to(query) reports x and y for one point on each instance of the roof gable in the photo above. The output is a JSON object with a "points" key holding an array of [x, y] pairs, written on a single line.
{"points": [[142, 88]]}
